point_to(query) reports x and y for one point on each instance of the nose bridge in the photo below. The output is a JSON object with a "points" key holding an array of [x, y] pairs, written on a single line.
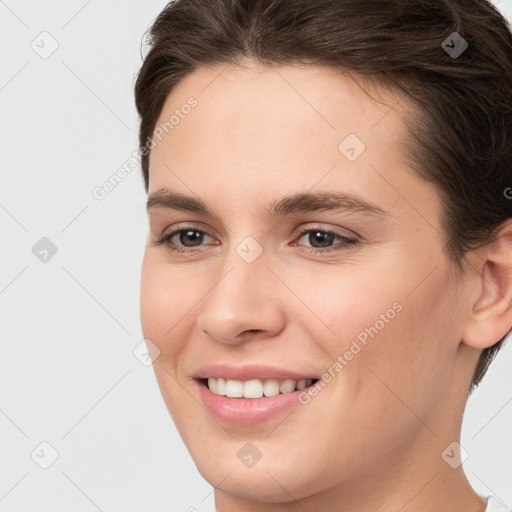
{"points": [[241, 297], [244, 266]]}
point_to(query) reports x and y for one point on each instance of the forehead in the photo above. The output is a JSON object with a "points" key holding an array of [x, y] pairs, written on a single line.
{"points": [[260, 102], [256, 128]]}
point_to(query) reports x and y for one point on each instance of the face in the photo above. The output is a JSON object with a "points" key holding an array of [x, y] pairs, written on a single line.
{"points": [[345, 282]]}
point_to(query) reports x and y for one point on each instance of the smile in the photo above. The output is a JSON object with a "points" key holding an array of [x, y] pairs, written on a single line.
{"points": [[256, 407], [255, 388]]}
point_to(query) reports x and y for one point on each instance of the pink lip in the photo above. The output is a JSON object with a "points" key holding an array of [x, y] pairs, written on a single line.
{"points": [[249, 372], [246, 411]]}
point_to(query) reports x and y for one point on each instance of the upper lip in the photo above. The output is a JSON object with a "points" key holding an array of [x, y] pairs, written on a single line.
{"points": [[248, 372]]}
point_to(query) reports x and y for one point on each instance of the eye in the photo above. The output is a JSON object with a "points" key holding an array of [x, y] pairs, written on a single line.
{"points": [[321, 240], [186, 239], [181, 239]]}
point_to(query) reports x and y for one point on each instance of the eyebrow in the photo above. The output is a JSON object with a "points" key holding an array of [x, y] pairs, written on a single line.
{"points": [[304, 202]]}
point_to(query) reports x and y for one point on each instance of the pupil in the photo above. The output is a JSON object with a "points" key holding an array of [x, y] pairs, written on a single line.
{"points": [[325, 239], [190, 236]]}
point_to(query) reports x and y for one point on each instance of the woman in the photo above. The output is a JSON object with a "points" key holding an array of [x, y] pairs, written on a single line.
{"points": [[328, 271]]}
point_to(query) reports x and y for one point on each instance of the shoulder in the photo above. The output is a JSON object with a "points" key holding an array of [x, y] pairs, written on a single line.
{"points": [[493, 505]]}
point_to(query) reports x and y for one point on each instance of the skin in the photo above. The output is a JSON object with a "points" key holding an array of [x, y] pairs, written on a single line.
{"points": [[372, 439]]}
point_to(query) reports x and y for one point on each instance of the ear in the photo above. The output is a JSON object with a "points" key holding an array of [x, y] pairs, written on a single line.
{"points": [[490, 315]]}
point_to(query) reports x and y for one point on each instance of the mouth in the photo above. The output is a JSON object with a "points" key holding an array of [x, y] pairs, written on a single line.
{"points": [[251, 394], [254, 388]]}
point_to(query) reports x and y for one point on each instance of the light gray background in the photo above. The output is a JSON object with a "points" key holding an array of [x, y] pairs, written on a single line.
{"points": [[68, 375]]}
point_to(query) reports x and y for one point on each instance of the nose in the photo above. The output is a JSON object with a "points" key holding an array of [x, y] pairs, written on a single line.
{"points": [[243, 303]]}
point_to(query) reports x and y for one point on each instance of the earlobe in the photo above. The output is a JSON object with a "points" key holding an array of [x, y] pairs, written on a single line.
{"points": [[490, 317]]}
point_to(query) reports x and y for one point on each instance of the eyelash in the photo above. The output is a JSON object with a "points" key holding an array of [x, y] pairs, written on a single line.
{"points": [[348, 242]]}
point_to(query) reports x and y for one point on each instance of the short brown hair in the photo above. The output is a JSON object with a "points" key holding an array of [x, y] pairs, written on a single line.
{"points": [[461, 141]]}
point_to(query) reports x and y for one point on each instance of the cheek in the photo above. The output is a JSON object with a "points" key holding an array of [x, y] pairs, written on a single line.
{"points": [[165, 299], [152, 300], [380, 328], [344, 306], [164, 302]]}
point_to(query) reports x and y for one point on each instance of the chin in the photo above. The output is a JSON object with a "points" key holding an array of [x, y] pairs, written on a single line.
{"points": [[254, 484]]}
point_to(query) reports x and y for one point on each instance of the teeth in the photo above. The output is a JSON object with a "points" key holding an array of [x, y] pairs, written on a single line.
{"points": [[234, 388], [287, 386], [271, 387], [221, 386], [212, 385], [255, 388]]}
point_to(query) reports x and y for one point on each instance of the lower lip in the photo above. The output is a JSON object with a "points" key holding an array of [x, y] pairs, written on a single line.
{"points": [[247, 411]]}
